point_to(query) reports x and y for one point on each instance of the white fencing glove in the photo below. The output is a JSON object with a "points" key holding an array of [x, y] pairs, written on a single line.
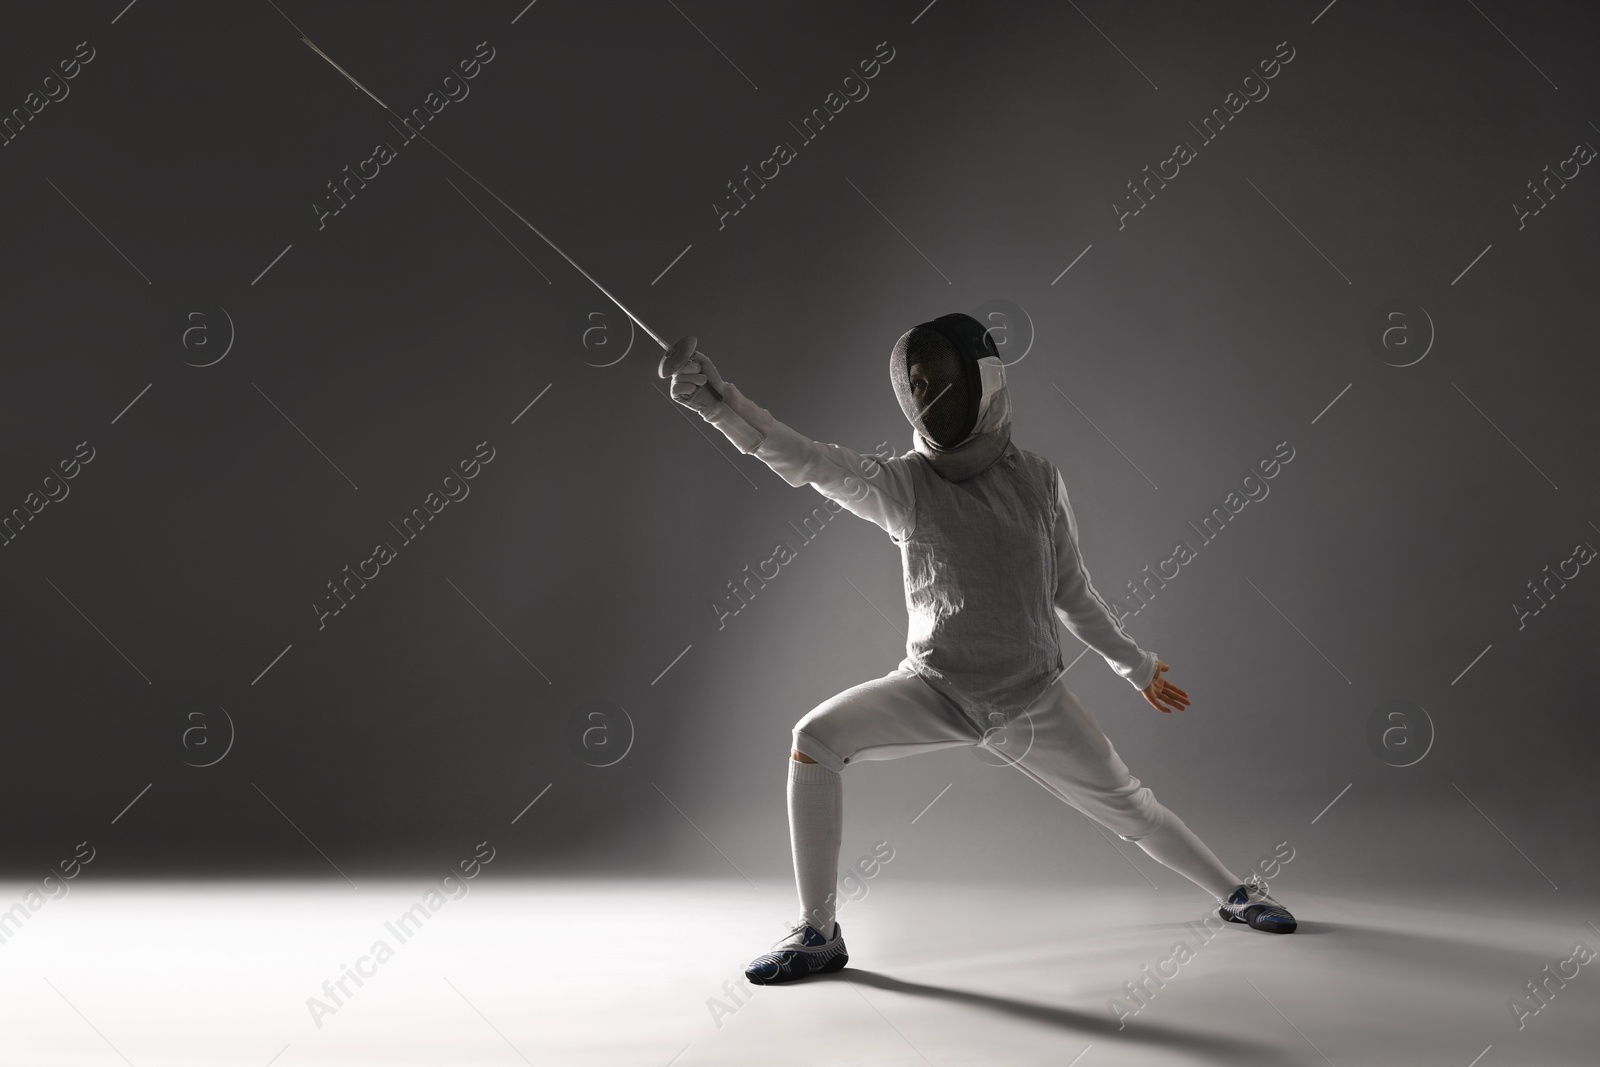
{"points": [[694, 383], [741, 421]]}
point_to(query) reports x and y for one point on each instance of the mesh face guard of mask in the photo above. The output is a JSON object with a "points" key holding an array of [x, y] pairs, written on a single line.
{"points": [[941, 400]]}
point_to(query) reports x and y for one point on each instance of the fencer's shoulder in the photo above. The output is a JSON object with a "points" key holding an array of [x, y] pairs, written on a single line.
{"points": [[1034, 458], [905, 461], [1038, 465], [893, 470]]}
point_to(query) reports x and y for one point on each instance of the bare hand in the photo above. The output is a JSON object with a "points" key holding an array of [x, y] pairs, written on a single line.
{"points": [[1163, 695]]}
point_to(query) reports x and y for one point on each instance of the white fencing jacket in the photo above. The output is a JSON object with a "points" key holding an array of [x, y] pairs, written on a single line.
{"points": [[989, 549]]}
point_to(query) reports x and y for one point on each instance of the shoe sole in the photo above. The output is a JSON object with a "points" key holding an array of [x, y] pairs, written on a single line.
{"points": [[1276, 929], [835, 964]]}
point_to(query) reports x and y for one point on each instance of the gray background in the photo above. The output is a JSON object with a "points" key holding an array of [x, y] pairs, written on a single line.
{"points": [[1190, 343]]}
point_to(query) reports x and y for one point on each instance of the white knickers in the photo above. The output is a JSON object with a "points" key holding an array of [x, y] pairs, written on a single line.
{"points": [[1056, 742]]}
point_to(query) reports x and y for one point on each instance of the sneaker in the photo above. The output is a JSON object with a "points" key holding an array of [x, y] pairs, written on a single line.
{"points": [[803, 952], [1250, 904]]}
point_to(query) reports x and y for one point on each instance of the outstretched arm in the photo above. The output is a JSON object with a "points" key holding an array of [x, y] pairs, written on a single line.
{"points": [[1084, 612], [873, 489]]}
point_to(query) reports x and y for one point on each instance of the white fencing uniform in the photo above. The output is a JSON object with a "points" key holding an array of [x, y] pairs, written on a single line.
{"points": [[989, 546]]}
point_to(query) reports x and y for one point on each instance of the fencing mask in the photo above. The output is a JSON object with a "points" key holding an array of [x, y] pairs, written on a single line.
{"points": [[934, 368]]}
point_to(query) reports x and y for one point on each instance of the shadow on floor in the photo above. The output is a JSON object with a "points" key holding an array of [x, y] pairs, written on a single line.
{"points": [[1093, 1024], [1380, 946], [1302, 927]]}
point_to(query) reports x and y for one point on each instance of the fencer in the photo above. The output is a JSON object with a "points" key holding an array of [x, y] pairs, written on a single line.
{"points": [[990, 559]]}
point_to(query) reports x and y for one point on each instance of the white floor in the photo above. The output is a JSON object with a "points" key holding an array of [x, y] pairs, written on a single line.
{"points": [[649, 973]]}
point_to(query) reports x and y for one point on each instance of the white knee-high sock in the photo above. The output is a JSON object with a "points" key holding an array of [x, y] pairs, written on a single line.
{"points": [[1175, 845], [816, 826]]}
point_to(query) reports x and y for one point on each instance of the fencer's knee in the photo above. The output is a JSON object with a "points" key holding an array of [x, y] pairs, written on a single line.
{"points": [[807, 744], [1137, 815]]}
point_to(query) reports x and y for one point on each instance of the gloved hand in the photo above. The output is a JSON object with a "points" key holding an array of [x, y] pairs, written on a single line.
{"points": [[693, 384]]}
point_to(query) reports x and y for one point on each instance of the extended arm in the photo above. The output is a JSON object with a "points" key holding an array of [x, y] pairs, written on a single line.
{"points": [[876, 490], [1083, 611]]}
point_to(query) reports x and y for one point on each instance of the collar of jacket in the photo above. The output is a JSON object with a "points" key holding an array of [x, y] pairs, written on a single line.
{"points": [[990, 438]]}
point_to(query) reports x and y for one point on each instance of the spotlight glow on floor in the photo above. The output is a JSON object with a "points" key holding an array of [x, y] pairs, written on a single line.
{"points": [[649, 972]]}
